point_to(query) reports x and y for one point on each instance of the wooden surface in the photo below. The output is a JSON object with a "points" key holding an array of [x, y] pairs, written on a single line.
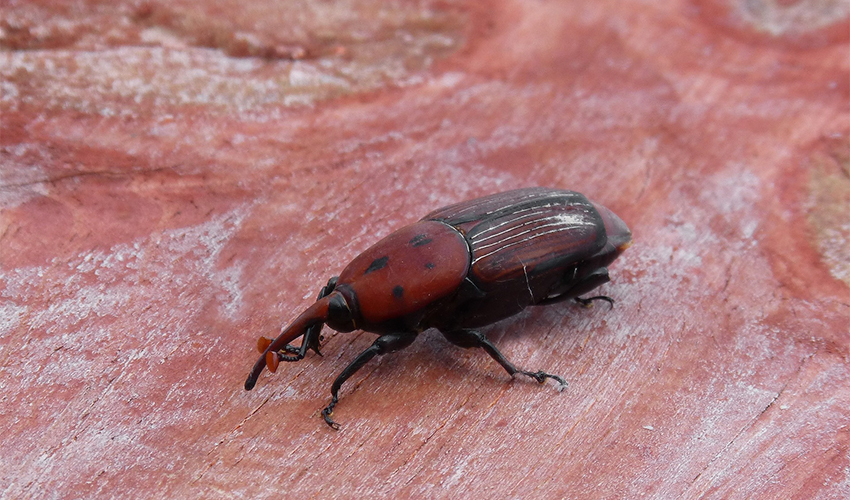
{"points": [[178, 178]]}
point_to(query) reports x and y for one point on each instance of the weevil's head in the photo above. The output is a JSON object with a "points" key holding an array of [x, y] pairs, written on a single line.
{"points": [[338, 310], [342, 310]]}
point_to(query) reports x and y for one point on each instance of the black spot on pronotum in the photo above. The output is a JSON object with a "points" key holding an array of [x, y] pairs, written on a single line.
{"points": [[398, 291], [430, 265], [377, 264], [420, 239]]}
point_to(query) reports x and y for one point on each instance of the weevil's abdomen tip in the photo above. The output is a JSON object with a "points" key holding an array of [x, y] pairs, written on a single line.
{"points": [[263, 343], [272, 361], [618, 233]]}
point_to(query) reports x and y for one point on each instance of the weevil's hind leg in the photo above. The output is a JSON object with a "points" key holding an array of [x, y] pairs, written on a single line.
{"points": [[589, 301], [471, 338], [597, 278], [384, 344]]}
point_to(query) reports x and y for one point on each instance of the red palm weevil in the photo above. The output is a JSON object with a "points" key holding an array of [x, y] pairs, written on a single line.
{"points": [[460, 268]]}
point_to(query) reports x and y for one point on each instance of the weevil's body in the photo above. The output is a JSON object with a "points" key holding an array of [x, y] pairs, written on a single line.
{"points": [[462, 267]]}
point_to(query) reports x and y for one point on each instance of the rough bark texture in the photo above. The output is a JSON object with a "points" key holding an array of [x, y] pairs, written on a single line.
{"points": [[178, 178]]}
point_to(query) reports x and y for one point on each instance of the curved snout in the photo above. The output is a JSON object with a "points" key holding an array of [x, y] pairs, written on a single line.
{"points": [[316, 313]]}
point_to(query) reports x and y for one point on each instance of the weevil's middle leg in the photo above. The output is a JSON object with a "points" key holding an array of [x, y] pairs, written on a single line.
{"points": [[471, 338]]}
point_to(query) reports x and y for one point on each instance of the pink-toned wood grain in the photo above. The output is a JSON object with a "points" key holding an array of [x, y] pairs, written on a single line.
{"points": [[179, 178]]}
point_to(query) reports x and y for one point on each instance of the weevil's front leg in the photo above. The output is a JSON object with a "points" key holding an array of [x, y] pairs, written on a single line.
{"points": [[312, 336], [471, 338], [384, 344]]}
